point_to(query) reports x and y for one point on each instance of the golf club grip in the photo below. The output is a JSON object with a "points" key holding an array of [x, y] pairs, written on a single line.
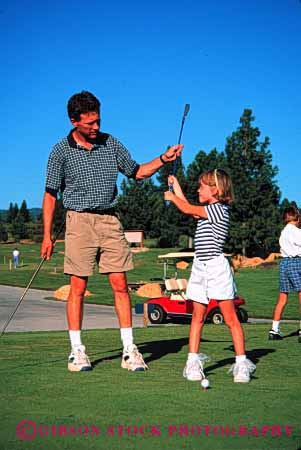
{"points": [[167, 202]]}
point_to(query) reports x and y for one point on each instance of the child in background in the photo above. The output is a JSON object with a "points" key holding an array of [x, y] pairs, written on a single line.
{"points": [[289, 268], [211, 275]]}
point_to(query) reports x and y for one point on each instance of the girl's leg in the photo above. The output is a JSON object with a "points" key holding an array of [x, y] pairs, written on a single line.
{"points": [[194, 368], [282, 300], [243, 367], [299, 296], [197, 322], [228, 310]]}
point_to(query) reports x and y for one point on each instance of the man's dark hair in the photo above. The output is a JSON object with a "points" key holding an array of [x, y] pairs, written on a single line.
{"points": [[82, 103]]}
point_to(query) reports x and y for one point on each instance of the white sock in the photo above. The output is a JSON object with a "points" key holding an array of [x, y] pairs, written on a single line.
{"points": [[75, 338], [192, 357], [240, 358], [275, 325], [126, 336]]}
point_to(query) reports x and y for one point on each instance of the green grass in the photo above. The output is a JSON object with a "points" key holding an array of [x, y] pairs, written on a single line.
{"points": [[35, 385], [259, 286]]}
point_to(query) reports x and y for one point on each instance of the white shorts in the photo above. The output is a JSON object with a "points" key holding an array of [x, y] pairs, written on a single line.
{"points": [[211, 279]]}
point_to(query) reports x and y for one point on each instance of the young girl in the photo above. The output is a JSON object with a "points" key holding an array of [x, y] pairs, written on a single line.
{"points": [[289, 268], [211, 276]]}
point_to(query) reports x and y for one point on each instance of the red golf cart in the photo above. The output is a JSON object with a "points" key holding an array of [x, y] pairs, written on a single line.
{"points": [[176, 306]]}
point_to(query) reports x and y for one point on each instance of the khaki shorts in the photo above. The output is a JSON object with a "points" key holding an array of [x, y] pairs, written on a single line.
{"points": [[95, 238]]}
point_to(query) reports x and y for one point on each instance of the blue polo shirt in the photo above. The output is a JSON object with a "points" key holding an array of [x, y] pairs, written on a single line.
{"points": [[88, 178]]}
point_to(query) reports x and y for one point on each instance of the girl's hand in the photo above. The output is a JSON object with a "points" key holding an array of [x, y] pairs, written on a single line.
{"points": [[168, 195], [171, 180]]}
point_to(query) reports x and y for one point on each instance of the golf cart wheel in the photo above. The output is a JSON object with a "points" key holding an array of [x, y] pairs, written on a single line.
{"points": [[157, 315], [217, 318], [242, 315]]}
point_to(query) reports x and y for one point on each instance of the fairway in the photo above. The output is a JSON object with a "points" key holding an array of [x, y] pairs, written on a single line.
{"points": [[258, 286], [110, 408]]}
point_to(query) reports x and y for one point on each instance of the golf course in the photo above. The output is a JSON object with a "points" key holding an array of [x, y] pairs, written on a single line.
{"points": [[46, 407]]}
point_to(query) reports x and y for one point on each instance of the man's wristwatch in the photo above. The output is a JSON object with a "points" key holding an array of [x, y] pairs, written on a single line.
{"points": [[162, 160]]}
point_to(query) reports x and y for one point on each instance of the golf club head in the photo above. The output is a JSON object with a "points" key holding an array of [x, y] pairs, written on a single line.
{"points": [[186, 110]]}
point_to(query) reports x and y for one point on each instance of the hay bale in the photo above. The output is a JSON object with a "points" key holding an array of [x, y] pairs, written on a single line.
{"points": [[251, 262], [150, 290], [182, 265], [272, 257], [63, 292]]}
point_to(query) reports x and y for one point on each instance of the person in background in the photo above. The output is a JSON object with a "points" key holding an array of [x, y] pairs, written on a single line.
{"points": [[289, 268], [16, 255]]}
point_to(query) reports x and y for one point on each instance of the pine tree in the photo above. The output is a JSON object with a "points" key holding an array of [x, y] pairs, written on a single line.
{"points": [[202, 162], [19, 228], [170, 223], [24, 213], [59, 218], [12, 212], [135, 205], [3, 233], [255, 220]]}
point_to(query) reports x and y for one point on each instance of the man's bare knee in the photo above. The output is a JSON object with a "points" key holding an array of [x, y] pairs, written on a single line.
{"points": [[120, 290]]}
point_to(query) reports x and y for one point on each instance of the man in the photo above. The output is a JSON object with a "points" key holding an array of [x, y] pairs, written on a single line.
{"points": [[16, 254], [85, 166]]}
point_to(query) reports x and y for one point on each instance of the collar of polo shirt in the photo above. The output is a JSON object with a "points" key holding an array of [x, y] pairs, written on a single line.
{"points": [[100, 140]]}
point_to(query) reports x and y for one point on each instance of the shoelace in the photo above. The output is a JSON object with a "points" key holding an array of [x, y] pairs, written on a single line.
{"points": [[246, 367], [137, 357], [202, 358], [82, 357]]}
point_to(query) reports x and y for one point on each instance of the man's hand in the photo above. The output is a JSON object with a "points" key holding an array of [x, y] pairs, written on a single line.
{"points": [[172, 153], [46, 249]]}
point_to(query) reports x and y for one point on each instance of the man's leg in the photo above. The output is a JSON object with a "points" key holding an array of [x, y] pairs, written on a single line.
{"points": [[131, 359], [78, 360], [75, 302]]}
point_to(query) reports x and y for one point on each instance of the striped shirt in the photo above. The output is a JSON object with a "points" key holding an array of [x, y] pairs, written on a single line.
{"points": [[212, 233], [88, 177]]}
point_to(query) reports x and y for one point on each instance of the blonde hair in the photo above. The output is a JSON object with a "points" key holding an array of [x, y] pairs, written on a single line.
{"points": [[221, 179]]}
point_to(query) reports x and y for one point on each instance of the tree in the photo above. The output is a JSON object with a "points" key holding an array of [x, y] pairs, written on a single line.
{"points": [[255, 223], [24, 213], [202, 163], [19, 228], [59, 218], [12, 212], [136, 204], [3, 233], [169, 222]]}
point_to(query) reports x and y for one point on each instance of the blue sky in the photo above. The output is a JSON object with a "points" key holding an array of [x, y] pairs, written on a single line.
{"points": [[144, 61]]}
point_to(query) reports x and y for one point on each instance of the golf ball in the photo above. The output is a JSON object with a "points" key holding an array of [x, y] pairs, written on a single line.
{"points": [[205, 383]]}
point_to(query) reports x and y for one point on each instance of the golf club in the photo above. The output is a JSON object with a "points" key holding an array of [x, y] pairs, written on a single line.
{"points": [[30, 282], [175, 163]]}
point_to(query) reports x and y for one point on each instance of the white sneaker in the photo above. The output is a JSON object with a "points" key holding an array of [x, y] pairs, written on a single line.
{"points": [[194, 369], [133, 360], [78, 361], [242, 371]]}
